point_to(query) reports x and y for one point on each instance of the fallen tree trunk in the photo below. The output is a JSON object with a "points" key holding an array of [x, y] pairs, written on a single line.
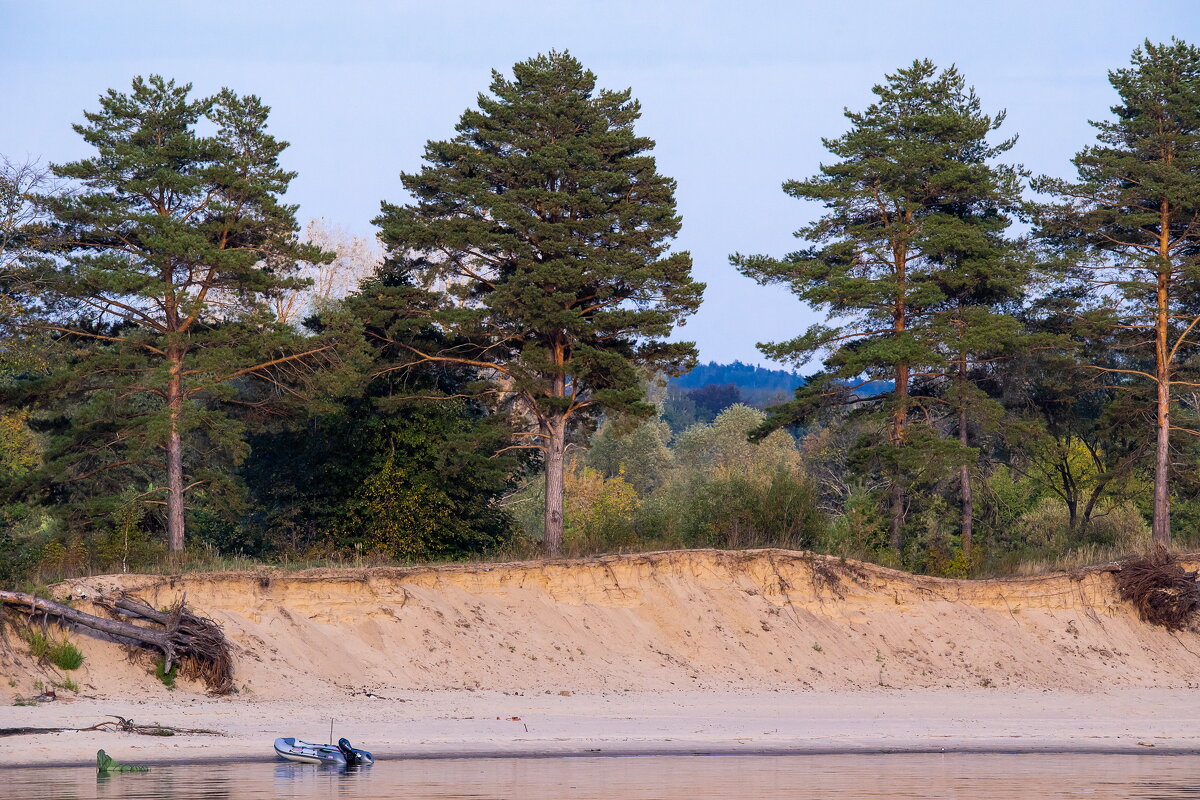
{"points": [[195, 643], [121, 724]]}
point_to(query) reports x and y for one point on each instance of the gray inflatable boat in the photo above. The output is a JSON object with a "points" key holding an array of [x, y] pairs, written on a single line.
{"points": [[340, 754]]}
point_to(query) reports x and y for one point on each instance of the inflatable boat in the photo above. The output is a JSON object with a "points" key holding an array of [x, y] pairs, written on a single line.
{"points": [[340, 754]]}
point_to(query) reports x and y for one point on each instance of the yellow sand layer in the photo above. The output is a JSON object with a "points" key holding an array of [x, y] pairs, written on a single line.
{"points": [[700, 620]]}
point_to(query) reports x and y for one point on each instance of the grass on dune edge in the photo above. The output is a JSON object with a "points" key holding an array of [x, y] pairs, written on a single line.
{"points": [[205, 560]]}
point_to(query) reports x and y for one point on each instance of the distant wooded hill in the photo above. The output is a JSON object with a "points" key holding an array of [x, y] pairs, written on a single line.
{"points": [[757, 386]]}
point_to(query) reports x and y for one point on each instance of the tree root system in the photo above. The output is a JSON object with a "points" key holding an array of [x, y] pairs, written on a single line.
{"points": [[195, 643], [1163, 592]]}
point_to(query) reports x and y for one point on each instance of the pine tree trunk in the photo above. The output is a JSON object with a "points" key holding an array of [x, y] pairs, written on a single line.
{"points": [[1161, 527], [899, 418], [964, 478], [174, 458], [555, 448], [964, 475], [900, 414]]}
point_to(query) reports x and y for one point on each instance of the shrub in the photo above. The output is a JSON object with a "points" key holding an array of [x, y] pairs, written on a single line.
{"points": [[59, 652], [1115, 524], [39, 644], [599, 511], [65, 655], [400, 518]]}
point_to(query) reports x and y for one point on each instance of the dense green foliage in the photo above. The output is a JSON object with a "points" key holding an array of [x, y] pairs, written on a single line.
{"points": [[1135, 213], [503, 382], [548, 223], [911, 242], [405, 467], [709, 487], [161, 258]]}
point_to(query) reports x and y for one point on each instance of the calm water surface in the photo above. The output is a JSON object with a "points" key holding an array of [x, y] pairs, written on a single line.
{"points": [[963, 777]]}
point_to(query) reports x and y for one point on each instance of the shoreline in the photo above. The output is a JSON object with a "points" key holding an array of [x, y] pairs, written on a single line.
{"points": [[446, 725], [799, 752]]}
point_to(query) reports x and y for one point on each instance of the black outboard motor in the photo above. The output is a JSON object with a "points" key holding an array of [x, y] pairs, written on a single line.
{"points": [[352, 758]]}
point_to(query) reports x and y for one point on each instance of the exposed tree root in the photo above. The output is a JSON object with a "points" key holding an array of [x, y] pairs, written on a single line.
{"points": [[1163, 592], [196, 644]]}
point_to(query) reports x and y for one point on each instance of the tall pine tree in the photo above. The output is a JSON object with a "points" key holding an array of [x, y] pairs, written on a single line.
{"points": [[912, 196], [165, 254], [549, 227], [1136, 208]]}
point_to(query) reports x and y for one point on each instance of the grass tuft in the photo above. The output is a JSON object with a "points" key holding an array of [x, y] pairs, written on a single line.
{"points": [[58, 652], [65, 655], [167, 677]]}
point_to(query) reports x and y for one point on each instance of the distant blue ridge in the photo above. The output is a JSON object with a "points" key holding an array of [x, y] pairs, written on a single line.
{"points": [[758, 386]]}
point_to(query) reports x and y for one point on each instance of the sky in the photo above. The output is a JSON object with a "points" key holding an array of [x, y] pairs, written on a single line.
{"points": [[737, 95]]}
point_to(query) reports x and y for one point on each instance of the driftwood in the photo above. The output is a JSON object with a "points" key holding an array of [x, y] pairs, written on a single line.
{"points": [[195, 643], [121, 724]]}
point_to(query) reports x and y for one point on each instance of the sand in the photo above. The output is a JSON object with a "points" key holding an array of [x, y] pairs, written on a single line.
{"points": [[695, 651]]}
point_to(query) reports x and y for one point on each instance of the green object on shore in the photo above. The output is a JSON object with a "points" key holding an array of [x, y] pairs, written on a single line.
{"points": [[105, 763]]}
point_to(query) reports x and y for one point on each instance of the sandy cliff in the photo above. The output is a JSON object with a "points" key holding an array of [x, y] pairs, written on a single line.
{"points": [[693, 620]]}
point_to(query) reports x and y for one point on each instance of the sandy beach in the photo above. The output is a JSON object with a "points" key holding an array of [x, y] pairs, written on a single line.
{"points": [[690, 652], [447, 724]]}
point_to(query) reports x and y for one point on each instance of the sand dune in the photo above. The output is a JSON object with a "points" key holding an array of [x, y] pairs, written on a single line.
{"points": [[682, 652], [693, 620]]}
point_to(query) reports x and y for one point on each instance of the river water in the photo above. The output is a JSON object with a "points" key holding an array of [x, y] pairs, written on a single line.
{"points": [[863, 777]]}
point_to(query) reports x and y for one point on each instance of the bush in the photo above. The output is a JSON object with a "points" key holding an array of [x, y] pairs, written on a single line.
{"points": [[39, 644], [599, 512], [860, 531], [400, 518], [60, 652], [65, 655], [1114, 524], [732, 508]]}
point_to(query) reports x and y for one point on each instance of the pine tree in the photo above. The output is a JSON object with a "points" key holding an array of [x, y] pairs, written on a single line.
{"points": [[912, 197], [1136, 207], [983, 277], [548, 226], [166, 252]]}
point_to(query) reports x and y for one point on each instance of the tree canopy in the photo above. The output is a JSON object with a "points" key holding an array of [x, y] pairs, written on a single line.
{"points": [[548, 229], [915, 211], [1135, 212], [164, 257]]}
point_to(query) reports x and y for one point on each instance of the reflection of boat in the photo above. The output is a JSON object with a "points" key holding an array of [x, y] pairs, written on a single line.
{"points": [[342, 753]]}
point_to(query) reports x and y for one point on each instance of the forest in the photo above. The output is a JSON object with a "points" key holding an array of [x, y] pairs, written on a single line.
{"points": [[1006, 379]]}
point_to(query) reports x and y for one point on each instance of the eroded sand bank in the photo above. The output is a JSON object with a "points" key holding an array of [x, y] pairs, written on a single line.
{"points": [[666, 652]]}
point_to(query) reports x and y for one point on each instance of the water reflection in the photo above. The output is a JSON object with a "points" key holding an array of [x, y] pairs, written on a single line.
{"points": [[310, 780], [1162, 791], [961, 777]]}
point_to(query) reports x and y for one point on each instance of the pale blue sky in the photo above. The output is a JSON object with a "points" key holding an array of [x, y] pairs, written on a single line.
{"points": [[737, 95]]}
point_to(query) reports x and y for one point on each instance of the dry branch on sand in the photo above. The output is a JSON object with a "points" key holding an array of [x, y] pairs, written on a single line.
{"points": [[1163, 592], [121, 724], [196, 644]]}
